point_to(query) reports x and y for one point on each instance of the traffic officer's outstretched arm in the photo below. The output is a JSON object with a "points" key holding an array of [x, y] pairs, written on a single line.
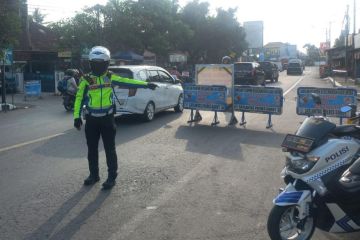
{"points": [[131, 83], [78, 103]]}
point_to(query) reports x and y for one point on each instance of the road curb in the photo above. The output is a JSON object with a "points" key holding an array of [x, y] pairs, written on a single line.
{"points": [[335, 83]]}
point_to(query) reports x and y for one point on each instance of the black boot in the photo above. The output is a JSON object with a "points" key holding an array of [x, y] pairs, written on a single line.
{"points": [[91, 180], [110, 182]]}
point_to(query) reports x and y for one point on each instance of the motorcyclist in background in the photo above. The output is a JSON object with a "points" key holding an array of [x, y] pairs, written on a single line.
{"points": [[72, 86]]}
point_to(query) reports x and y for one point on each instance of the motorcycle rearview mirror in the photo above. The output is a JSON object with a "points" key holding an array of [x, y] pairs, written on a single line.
{"points": [[345, 109], [316, 98]]}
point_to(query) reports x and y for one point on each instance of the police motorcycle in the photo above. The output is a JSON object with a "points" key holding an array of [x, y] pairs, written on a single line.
{"points": [[322, 174]]}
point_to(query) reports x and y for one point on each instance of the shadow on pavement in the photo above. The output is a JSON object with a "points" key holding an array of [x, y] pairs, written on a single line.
{"points": [[207, 140], [74, 225], [47, 228], [73, 143]]}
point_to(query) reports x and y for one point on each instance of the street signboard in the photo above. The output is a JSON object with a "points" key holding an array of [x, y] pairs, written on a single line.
{"points": [[205, 97], [32, 88], [8, 56], [65, 54], [214, 74], [267, 100], [332, 99]]}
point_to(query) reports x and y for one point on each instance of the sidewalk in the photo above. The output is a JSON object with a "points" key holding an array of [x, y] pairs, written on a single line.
{"points": [[20, 102], [342, 82]]}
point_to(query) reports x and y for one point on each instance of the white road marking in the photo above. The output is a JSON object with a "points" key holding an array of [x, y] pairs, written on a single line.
{"points": [[293, 86], [30, 142]]}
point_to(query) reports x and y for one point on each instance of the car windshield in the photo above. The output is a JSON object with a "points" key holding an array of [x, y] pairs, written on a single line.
{"points": [[243, 66], [122, 72], [265, 65], [294, 64]]}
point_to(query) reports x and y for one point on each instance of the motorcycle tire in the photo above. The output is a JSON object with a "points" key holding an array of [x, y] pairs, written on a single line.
{"points": [[275, 217]]}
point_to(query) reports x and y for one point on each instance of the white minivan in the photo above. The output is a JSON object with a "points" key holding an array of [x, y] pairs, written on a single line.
{"points": [[147, 102]]}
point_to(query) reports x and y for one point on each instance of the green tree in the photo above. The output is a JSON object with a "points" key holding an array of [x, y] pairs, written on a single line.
{"points": [[195, 15], [227, 36], [37, 16], [214, 36], [156, 25], [340, 42], [313, 53], [10, 25]]}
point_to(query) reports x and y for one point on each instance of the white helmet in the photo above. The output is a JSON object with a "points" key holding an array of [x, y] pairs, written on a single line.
{"points": [[99, 53]]}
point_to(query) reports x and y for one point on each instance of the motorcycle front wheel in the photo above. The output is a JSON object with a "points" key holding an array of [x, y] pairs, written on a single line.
{"points": [[284, 224]]}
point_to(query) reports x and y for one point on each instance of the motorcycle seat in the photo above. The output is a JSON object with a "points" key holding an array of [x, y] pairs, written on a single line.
{"points": [[346, 130]]}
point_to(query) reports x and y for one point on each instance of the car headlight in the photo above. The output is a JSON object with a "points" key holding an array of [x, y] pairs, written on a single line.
{"points": [[300, 163]]}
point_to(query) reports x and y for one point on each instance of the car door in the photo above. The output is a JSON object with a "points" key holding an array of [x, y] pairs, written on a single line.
{"points": [[159, 92], [171, 90]]}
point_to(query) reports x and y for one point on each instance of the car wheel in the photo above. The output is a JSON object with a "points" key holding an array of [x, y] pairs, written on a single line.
{"points": [[180, 106], [149, 112]]}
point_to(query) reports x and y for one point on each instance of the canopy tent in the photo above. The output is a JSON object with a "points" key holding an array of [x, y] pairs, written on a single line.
{"points": [[127, 56]]}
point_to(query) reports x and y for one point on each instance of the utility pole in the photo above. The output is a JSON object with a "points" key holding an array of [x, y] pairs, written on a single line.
{"points": [[353, 40], [354, 17], [330, 34], [346, 19], [3, 88]]}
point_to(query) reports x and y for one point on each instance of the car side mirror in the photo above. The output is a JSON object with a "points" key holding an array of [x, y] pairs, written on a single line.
{"points": [[177, 81]]}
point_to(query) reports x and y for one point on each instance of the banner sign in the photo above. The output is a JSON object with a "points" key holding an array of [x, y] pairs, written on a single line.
{"points": [[267, 100], [205, 97], [332, 99], [33, 88], [214, 74]]}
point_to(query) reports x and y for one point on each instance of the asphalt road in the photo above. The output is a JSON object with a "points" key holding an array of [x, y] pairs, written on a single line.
{"points": [[176, 181]]}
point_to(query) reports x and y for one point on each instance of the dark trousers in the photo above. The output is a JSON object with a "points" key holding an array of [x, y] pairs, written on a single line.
{"points": [[104, 126]]}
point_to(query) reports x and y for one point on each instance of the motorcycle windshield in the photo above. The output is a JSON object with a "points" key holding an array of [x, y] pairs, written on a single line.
{"points": [[315, 128]]}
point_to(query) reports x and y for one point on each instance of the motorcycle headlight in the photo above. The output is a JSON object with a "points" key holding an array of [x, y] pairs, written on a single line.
{"points": [[302, 163]]}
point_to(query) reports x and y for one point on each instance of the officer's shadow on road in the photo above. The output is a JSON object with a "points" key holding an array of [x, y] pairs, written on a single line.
{"points": [[72, 144], [46, 230], [225, 142]]}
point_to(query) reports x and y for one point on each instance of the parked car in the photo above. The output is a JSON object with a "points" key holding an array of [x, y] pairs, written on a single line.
{"points": [[146, 102], [294, 68], [248, 73], [271, 71]]}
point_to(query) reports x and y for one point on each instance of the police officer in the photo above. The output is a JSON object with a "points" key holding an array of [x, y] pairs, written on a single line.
{"points": [[97, 87]]}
